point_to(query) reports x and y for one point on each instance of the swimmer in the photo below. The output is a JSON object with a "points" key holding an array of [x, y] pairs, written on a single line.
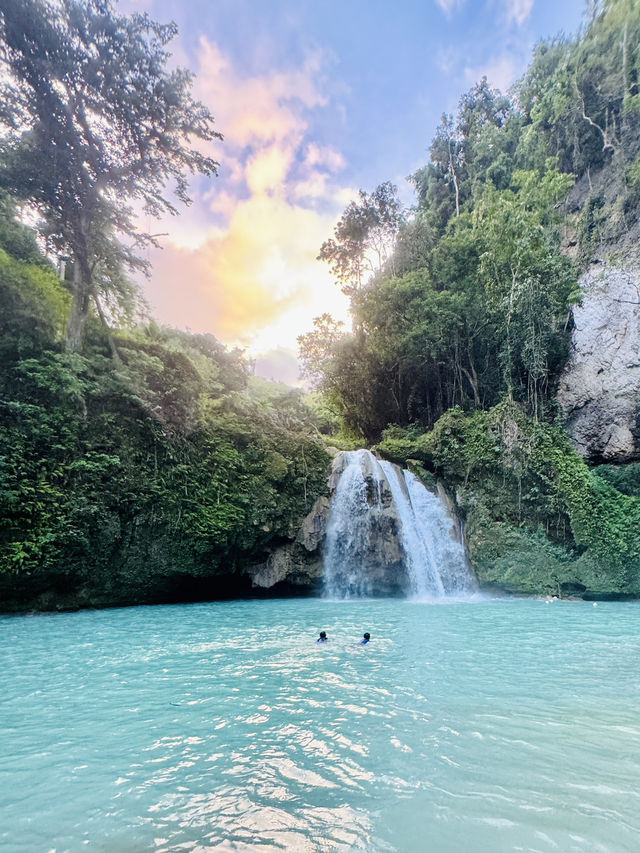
{"points": [[322, 638], [365, 639]]}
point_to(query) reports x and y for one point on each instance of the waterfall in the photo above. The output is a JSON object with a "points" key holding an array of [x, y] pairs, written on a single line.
{"points": [[389, 535], [355, 511], [417, 542]]}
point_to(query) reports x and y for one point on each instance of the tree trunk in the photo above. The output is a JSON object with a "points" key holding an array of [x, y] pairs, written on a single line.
{"points": [[115, 355], [79, 310]]}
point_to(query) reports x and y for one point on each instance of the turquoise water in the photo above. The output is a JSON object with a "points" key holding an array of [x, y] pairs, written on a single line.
{"points": [[489, 726]]}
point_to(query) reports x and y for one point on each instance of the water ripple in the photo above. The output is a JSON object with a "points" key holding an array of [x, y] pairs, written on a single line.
{"points": [[225, 727]]}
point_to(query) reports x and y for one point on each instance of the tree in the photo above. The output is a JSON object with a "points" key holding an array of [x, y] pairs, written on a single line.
{"points": [[528, 282], [364, 237], [93, 123], [447, 150], [316, 347], [478, 147]]}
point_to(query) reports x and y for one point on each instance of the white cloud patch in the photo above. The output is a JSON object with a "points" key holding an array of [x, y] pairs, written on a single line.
{"points": [[279, 365], [500, 74], [518, 10], [448, 6]]}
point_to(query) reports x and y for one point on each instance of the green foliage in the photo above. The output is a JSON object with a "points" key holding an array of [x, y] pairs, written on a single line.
{"points": [[124, 482], [623, 478], [326, 418], [474, 304], [603, 520], [34, 307], [529, 283], [486, 316], [17, 240], [516, 560], [364, 237], [592, 218], [317, 347]]}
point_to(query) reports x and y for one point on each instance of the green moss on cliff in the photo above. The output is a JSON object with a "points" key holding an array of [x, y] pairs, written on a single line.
{"points": [[538, 520]]}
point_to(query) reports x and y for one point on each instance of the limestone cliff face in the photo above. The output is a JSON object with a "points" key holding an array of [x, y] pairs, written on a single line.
{"points": [[600, 388]]}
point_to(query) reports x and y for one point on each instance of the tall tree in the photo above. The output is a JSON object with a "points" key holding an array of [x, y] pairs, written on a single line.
{"points": [[317, 347], [446, 149], [364, 237], [93, 122]]}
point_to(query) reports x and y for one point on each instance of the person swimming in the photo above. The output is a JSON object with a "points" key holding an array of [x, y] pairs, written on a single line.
{"points": [[365, 639], [322, 638]]}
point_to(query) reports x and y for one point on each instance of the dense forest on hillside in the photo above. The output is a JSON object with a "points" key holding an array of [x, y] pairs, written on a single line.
{"points": [[139, 463], [141, 479], [462, 309]]}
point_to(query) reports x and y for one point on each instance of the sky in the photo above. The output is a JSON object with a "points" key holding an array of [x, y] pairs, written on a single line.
{"points": [[315, 99]]}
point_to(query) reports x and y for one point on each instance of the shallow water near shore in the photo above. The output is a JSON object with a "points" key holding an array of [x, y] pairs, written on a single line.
{"points": [[493, 725]]}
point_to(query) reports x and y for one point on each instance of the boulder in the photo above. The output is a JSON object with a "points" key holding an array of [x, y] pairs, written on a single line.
{"points": [[289, 565]]}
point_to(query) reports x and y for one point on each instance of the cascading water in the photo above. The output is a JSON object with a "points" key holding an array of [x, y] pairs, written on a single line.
{"points": [[355, 510], [388, 534], [421, 564]]}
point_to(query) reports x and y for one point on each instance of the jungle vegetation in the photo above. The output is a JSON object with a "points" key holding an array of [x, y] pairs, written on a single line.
{"points": [[125, 481], [137, 463]]}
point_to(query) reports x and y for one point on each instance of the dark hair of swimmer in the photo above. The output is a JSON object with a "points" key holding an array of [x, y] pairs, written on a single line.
{"points": [[367, 635], [323, 633]]}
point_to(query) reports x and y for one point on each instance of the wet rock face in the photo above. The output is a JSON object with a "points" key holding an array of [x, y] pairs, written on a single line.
{"points": [[384, 562], [600, 388], [363, 551], [288, 565]]}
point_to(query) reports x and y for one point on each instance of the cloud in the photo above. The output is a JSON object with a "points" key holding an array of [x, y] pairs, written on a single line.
{"points": [[256, 283], [258, 109], [243, 265], [501, 73], [518, 10], [317, 155], [267, 170], [448, 6], [279, 364]]}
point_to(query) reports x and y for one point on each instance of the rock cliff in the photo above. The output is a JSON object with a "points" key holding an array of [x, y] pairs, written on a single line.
{"points": [[296, 565], [599, 391]]}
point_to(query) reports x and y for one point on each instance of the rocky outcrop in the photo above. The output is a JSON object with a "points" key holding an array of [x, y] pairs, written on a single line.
{"points": [[369, 545], [599, 390], [378, 533], [296, 564]]}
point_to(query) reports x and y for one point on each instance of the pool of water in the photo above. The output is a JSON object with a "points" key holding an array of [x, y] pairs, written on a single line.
{"points": [[482, 726]]}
